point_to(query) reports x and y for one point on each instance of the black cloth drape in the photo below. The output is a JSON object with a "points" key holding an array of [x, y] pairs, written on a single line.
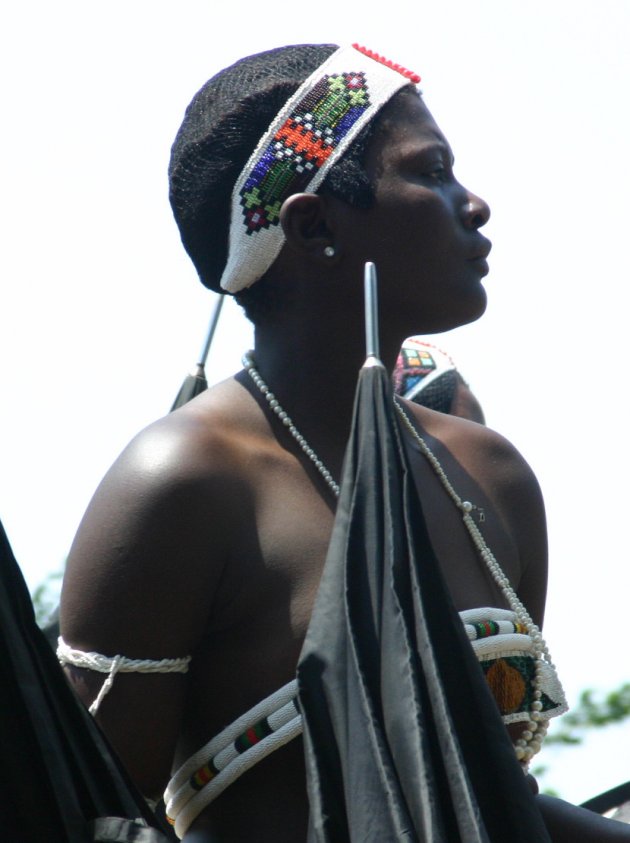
{"points": [[403, 739], [60, 780], [194, 384]]}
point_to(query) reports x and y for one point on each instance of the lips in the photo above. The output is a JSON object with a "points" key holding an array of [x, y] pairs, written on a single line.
{"points": [[480, 255], [481, 265]]}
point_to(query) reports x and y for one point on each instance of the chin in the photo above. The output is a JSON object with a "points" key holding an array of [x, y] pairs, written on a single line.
{"points": [[468, 310], [457, 304], [478, 312], [473, 305]]}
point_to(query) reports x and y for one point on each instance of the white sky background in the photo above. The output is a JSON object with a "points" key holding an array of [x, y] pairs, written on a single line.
{"points": [[102, 315]]}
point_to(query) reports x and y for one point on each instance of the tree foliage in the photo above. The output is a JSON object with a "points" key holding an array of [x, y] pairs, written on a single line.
{"points": [[591, 711], [45, 597]]}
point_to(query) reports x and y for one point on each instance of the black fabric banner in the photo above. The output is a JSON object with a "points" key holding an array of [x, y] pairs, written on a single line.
{"points": [[403, 739], [59, 776]]}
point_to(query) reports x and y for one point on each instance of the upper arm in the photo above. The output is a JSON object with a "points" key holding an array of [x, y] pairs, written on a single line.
{"points": [[521, 504], [140, 581]]}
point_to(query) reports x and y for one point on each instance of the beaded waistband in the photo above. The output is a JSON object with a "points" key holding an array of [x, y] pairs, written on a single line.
{"points": [[525, 687], [269, 725]]}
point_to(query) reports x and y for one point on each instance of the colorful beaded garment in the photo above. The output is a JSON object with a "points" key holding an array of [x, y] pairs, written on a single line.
{"points": [[269, 725], [419, 363], [309, 134], [520, 684]]}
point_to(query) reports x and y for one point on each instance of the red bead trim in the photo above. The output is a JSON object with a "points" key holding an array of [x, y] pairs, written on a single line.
{"points": [[413, 77]]}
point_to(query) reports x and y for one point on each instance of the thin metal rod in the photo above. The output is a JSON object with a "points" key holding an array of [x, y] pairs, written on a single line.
{"points": [[211, 329], [371, 311]]}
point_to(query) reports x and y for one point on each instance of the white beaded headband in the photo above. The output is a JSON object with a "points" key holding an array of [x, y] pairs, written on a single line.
{"points": [[309, 134]]}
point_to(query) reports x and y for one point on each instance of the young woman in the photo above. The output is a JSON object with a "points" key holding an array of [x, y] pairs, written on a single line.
{"points": [[199, 558]]}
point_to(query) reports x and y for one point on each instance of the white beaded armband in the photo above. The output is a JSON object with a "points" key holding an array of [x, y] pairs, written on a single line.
{"points": [[116, 664]]}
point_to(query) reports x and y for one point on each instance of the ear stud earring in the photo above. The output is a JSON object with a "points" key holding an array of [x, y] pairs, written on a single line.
{"points": [[329, 251]]}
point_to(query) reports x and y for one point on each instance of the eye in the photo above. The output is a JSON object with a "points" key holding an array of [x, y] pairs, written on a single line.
{"points": [[439, 174], [439, 169], [432, 165]]}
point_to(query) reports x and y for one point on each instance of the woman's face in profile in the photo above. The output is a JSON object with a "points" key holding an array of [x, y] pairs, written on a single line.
{"points": [[422, 232]]}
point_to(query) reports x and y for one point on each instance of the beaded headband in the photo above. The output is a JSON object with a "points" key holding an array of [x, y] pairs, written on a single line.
{"points": [[309, 134]]}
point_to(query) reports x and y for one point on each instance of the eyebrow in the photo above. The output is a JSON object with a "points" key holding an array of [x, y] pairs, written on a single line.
{"points": [[441, 141], [430, 145]]}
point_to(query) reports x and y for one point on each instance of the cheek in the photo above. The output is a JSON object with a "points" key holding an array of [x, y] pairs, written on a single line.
{"points": [[416, 206], [422, 231]]}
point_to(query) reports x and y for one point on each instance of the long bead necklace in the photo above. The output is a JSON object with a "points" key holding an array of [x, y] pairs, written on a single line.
{"points": [[532, 737], [248, 364]]}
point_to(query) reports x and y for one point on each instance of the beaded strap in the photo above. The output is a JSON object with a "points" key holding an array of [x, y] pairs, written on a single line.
{"points": [[505, 655], [269, 725]]}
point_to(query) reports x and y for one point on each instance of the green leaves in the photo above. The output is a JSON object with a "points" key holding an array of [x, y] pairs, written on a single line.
{"points": [[591, 712]]}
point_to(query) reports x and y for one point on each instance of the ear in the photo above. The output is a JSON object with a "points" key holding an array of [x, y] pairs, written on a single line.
{"points": [[307, 227]]}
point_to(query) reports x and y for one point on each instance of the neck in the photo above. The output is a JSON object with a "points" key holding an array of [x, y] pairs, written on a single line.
{"points": [[313, 373], [310, 357], [316, 388]]}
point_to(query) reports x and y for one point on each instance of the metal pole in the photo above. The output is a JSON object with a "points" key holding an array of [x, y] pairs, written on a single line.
{"points": [[372, 350], [211, 329]]}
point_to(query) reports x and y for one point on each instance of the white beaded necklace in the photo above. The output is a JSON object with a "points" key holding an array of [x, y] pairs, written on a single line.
{"points": [[532, 737]]}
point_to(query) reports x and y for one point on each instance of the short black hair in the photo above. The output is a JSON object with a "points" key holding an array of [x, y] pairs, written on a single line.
{"points": [[221, 128]]}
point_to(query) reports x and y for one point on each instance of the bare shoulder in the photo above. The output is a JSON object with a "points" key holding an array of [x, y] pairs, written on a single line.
{"points": [[154, 539], [203, 436], [491, 459], [145, 572], [510, 487]]}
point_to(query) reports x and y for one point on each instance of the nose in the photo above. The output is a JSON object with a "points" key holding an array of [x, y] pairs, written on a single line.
{"points": [[475, 211]]}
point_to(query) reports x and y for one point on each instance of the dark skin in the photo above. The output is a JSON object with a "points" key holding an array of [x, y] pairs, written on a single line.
{"points": [[466, 405], [208, 535]]}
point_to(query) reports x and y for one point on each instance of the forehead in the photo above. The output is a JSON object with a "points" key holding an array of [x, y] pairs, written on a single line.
{"points": [[404, 127]]}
